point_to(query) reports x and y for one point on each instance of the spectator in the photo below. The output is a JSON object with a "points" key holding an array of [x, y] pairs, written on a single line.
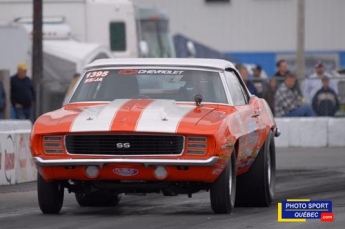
{"points": [[313, 83], [244, 74], [282, 71], [325, 101], [270, 92], [288, 102], [259, 83], [2, 99], [22, 94], [74, 81]]}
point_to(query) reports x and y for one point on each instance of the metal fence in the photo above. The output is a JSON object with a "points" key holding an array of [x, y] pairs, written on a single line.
{"points": [[322, 101]]}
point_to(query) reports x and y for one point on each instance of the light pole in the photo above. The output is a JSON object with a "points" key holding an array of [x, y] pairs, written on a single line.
{"points": [[37, 54], [300, 55]]}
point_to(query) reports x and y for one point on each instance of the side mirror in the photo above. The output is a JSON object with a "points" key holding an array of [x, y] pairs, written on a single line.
{"points": [[191, 49], [144, 49]]}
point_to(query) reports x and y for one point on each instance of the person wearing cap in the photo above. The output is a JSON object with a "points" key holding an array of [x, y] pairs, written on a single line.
{"points": [[22, 93], [314, 83], [325, 101]]}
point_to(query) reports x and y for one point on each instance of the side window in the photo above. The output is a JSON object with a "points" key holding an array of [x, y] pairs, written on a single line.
{"points": [[117, 31], [235, 89]]}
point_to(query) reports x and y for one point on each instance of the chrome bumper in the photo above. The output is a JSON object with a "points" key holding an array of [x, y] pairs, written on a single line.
{"points": [[147, 162]]}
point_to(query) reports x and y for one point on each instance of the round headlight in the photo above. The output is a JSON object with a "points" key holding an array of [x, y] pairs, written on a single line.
{"points": [[160, 172], [92, 171]]}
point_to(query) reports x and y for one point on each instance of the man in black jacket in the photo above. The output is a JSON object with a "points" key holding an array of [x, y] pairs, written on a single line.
{"points": [[22, 94], [325, 101]]}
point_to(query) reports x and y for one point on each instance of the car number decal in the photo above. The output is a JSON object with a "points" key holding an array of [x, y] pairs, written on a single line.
{"points": [[95, 76]]}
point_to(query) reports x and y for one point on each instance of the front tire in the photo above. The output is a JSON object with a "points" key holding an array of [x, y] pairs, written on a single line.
{"points": [[50, 195], [223, 190], [255, 188]]}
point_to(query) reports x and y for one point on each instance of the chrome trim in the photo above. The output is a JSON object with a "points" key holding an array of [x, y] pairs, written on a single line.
{"points": [[176, 101], [124, 155], [189, 139], [147, 162], [226, 89], [52, 136], [58, 151]]}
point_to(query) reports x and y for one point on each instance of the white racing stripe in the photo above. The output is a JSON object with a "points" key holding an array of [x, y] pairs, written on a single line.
{"points": [[97, 118], [162, 116]]}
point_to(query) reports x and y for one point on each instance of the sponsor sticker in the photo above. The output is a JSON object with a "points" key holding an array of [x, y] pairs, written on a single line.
{"points": [[125, 172], [149, 72]]}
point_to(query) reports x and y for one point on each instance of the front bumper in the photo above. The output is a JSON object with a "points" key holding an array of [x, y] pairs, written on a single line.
{"points": [[147, 162]]}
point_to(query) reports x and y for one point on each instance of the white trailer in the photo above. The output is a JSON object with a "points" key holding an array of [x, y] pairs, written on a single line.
{"points": [[63, 57], [129, 31]]}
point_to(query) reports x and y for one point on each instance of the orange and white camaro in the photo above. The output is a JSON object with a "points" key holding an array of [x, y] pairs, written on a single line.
{"points": [[170, 126]]}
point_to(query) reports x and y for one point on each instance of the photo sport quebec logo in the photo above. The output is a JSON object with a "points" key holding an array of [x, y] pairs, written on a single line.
{"points": [[301, 210]]}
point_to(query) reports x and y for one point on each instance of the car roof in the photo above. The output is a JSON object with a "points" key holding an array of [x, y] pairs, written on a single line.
{"points": [[164, 62]]}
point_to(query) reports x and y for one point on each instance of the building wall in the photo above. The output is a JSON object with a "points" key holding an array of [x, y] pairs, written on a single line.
{"points": [[256, 25], [261, 31]]}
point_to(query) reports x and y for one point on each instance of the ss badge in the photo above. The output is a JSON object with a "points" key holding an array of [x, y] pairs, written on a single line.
{"points": [[123, 145]]}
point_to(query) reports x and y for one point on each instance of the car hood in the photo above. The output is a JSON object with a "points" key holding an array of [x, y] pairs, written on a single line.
{"points": [[125, 115]]}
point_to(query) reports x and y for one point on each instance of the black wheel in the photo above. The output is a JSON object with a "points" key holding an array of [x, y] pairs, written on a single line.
{"points": [[97, 199], [255, 188], [50, 195], [223, 190]]}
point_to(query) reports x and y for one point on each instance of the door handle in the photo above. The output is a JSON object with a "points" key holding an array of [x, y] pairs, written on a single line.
{"points": [[255, 115]]}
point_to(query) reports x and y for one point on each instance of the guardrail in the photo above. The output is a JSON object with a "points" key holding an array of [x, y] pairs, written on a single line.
{"points": [[16, 164], [311, 132]]}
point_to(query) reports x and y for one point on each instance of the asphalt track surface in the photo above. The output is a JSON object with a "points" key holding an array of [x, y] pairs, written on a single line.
{"points": [[317, 174]]}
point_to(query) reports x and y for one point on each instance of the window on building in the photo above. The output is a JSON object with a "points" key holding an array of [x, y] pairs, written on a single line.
{"points": [[117, 31]]}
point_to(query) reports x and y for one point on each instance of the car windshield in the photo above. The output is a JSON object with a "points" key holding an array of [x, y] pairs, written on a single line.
{"points": [[153, 83]]}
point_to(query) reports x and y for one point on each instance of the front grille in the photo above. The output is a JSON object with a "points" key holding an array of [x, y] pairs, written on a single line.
{"points": [[112, 144]]}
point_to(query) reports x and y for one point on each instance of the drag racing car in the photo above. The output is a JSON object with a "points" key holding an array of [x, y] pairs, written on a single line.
{"points": [[168, 126]]}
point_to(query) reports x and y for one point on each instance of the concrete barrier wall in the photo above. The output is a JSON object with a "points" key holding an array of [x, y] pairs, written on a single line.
{"points": [[16, 164], [311, 132]]}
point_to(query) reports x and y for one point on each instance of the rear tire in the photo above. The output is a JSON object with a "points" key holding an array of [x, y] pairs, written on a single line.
{"points": [[223, 190], [255, 188], [50, 195], [98, 198]]}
